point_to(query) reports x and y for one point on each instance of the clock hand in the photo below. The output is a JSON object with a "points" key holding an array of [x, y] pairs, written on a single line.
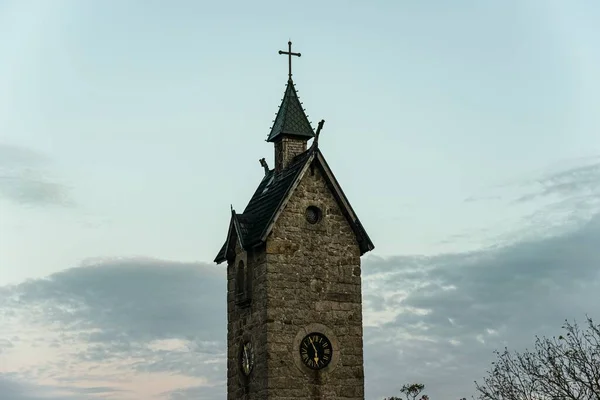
{"points": [[316, 358]]}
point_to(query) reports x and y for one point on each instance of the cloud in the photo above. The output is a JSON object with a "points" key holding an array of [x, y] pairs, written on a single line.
{"points": [[14, 389], [24, 178], [144, 299], [5, 344], [573, 188], [444, 321], [552, 202], [126, 316], [570, 195], [437, 319], [196, 392], [581, 178]]}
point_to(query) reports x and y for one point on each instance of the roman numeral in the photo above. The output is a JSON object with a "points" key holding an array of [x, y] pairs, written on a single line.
{"points": [[327, 351]]}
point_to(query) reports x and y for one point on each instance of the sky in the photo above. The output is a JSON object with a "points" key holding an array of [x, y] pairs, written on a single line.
{"points": [[463, 133]]}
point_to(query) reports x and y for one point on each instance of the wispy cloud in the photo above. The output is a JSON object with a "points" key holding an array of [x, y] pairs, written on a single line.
{"points": [[550, 202], [25, 178], [580, 180]]}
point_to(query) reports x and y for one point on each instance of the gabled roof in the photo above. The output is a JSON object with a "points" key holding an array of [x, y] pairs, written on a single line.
{"points": [[236, 231], [269, 196], [256, 222], [291, 118], [264, 204]]}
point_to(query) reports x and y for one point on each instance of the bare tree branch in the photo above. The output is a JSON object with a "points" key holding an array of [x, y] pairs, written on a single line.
{"points": [[565, 368]]}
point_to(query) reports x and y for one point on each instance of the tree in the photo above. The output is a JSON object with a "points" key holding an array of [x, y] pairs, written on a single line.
{"points": [[567, 367], [411, 391]]}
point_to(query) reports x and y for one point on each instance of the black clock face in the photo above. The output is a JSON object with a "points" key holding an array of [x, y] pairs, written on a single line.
{"points": [[316, 351], [247, 358]]}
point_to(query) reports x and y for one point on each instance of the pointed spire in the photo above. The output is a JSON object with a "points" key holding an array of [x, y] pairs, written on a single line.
{"points": [[291, 118]]}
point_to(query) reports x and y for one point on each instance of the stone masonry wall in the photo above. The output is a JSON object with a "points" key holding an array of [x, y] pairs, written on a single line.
{"points": [[247, 323], [313, 276]]}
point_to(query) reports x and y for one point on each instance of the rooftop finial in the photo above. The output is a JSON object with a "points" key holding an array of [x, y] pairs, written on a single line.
{"points": [[290, 54], [319, 127], [264, 165]]}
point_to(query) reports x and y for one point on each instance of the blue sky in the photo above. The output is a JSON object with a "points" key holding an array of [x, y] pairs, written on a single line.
{"points": [[127, 129]]}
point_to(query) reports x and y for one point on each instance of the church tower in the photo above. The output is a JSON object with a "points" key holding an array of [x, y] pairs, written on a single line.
{"points": [[294, 302]]}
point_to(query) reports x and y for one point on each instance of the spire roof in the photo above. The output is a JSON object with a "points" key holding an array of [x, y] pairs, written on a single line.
{"points": [[291, 118]]}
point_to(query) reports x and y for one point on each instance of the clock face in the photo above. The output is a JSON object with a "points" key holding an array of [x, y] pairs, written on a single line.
{"points": [[316, 351], [247, 358]]}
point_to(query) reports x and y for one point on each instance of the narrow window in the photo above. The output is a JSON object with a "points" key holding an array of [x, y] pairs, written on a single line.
{"points": [[249, 279], [240, 281]]}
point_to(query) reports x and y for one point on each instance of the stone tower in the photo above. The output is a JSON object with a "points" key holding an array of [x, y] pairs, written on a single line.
{"points": [[294, 304]]}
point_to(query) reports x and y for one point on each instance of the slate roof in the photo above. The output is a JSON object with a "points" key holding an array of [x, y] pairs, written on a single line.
{"points": [[291, 118], [221, 255], [265, 202]]}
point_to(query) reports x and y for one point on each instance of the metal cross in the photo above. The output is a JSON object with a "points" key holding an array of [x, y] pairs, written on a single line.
{"points": [[290, 54]]}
